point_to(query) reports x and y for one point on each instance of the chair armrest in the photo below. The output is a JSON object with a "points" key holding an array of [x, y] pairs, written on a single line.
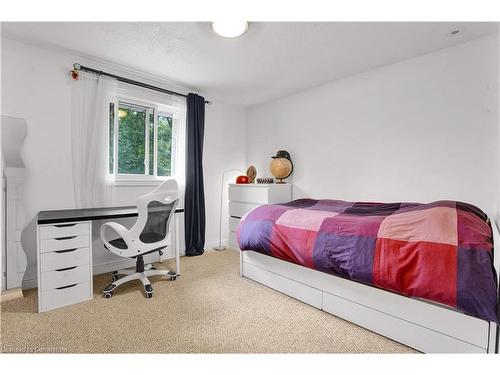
{"points": [[122, 232]]}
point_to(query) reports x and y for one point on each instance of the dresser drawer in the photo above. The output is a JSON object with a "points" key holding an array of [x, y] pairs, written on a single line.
{"points": [[233, 223], [233, 242], [249, 194], [64, 258], [64, 230], [64, 277], [53, 298], [64, 243], [238, 209]]}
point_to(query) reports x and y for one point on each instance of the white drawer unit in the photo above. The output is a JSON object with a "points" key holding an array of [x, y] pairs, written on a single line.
{"points": [[56, 260], [63, 230], [64, 264], [64, 243], [64, 296], [245, 197], [238, 209], [233, 223], [64, 277]]}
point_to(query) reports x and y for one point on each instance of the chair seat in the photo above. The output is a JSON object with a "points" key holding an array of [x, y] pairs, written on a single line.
{"points": [[119, 243]]}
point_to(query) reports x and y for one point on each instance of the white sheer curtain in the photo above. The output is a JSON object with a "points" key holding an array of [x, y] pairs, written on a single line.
{"points": [[89, 139]]}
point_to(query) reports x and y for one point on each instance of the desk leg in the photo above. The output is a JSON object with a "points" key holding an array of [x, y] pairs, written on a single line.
{"points": [[175, 244]]}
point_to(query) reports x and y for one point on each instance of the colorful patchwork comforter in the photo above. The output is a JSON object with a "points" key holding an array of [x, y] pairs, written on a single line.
{"points": [[440, 251]]}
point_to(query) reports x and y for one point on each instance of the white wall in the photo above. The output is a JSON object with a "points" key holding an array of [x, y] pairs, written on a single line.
{"points": [[420, 130], [224, 149], [36, 87]]}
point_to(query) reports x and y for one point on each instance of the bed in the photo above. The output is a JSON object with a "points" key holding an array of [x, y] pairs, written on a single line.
{"points": [[425, 275]]}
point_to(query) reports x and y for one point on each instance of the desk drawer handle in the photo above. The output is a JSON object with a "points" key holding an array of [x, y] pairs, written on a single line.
{"points": [[64, 238], [65, 225], [67, 286], [65, 251], [66, 269]]}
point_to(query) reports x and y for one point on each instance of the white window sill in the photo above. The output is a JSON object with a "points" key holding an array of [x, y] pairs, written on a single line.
{"points": [[136, 182]]}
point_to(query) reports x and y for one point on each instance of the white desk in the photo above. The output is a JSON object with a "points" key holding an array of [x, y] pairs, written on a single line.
{"points": [[64, 253]]}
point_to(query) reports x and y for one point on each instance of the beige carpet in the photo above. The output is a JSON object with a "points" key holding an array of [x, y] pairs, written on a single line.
{"points": [[209, 309]]}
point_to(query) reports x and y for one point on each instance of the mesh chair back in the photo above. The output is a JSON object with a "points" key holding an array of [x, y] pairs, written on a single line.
{"points": [[157, 222], [156, 209]]}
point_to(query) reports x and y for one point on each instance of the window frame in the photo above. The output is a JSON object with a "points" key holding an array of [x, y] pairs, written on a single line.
{"points": [[124, 179]]}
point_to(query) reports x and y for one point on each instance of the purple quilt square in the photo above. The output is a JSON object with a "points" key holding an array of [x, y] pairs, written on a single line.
{"points": [[476, 284], [373, 209], [348, 225], [347, 256], [300, 203], [255, 235]]}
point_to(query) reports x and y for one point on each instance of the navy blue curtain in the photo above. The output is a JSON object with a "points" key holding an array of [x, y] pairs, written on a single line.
{"points": [[194, 198]]}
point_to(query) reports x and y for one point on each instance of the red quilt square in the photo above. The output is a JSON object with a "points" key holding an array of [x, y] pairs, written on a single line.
{"points": [[293, 244], [424, 269]]}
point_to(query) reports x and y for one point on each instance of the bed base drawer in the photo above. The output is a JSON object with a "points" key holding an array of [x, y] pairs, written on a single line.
{"points": [[302, 292], [421, 338]]}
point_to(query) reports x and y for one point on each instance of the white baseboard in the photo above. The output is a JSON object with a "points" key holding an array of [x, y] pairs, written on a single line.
{"points": [[211, 245]]}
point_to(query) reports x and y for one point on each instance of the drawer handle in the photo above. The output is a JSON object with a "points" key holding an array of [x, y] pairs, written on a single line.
{"points": [[67, 286], [66, 269], [65, 225], [64, 238], [65, 251]]}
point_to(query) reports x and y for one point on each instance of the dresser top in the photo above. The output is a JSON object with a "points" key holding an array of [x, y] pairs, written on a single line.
{"points": [[259, 185]]}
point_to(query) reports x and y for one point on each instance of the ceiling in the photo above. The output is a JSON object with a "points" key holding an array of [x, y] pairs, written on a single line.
{"points": [[271, 60]]}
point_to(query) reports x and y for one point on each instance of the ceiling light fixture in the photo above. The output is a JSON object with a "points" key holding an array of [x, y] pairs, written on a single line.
{"points": [[456, 31], [230, 29]]}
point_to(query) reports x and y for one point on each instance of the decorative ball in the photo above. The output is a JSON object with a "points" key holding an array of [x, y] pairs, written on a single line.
{"points": [[242, 180], [281, 168]]}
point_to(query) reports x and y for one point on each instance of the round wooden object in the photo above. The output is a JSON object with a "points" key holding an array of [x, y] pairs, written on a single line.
{"points": [[251, 173]]}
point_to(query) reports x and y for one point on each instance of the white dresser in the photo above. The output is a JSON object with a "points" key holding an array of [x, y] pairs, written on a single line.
{"points": [[64, 264], [245, 197]]}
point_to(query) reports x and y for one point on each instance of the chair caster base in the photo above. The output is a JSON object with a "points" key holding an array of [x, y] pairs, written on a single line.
{"points": [[114, 276], [148, 288]]}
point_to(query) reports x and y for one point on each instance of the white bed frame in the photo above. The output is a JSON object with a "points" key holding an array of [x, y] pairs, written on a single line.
{"points": [[422, 325]]}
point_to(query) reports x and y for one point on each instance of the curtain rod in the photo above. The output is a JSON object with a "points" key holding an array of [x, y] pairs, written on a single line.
{"points": [[77, 66]]}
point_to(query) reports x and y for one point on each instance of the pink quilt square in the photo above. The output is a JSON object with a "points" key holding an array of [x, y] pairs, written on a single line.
{"points": [[438, 224], [304, 219], [472, 233]]}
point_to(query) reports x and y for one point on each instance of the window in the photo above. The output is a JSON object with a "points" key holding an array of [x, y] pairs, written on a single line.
{"points": [[141, 140]]}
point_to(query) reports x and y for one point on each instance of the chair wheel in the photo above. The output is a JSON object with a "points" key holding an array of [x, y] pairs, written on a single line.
{"points": [[153, 268], [108, 295], [149, 294], [114, 277], [173, 278]]}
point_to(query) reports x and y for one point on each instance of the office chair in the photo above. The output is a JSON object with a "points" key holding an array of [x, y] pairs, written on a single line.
{"points": [[148, 235]]}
